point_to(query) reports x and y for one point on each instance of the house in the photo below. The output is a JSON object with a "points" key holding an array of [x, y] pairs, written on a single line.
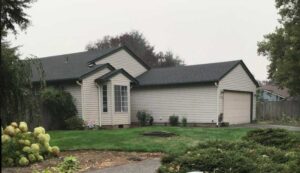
{"points": [[271, 92], [110, 86]]}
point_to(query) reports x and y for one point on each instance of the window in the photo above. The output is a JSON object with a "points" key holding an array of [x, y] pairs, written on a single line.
{"points": [[121, 99], [104, 98]]}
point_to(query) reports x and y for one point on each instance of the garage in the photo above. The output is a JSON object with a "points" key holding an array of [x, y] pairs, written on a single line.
{"points": [[237, 107]]}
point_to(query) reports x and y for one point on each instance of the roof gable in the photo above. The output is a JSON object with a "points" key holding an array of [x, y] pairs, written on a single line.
{"points": [[111, 74], [246, 70], [131, 53], [73, 66]]}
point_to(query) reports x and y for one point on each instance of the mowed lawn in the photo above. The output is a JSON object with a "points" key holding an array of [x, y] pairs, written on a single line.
{"points": [[132, 139]]}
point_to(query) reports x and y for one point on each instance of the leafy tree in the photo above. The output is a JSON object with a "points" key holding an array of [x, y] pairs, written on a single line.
{"points": [[137, 42], [15, 81], [15, 84], [282, 47]]}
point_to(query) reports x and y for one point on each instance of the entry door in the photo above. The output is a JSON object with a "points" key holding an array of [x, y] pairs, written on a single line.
{"points": [[237, 107]]}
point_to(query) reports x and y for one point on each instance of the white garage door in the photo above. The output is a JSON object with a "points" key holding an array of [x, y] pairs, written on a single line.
{"points": [[237, 107]]}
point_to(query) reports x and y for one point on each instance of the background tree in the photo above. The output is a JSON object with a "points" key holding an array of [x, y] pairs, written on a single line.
{"points": [[282, 47], [15, 81], [135, 40]]}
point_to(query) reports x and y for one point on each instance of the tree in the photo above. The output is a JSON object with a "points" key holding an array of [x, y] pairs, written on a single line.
{"points": [[135, 40], [15, 74], [282, 47], [13, 15]]}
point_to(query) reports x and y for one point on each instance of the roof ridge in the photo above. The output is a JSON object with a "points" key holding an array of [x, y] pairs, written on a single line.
{"points": [[197, 64], [87, 51]]}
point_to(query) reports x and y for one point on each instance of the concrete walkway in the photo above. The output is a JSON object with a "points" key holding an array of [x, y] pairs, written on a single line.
{"points": [[146, 166], [290, 128]]}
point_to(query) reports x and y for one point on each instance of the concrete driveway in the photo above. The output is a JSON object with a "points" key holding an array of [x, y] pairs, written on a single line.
{"points": [[146, 166]]}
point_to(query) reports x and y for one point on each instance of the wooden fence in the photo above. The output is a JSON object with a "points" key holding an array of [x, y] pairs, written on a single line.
{"points": [[276, 110]]}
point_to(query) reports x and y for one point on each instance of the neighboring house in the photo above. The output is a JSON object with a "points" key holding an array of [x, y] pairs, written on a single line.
{"points": [[271, 92], [110, 86]]}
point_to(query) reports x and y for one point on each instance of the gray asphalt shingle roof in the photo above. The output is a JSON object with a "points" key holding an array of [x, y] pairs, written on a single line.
{"points": [[203, 73], [68, 66]]}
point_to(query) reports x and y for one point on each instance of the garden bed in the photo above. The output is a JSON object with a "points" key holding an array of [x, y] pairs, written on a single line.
{"points": [[89, 160]]}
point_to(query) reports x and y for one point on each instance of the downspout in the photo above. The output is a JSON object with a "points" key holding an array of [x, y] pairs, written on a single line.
{"points": [[218, 98], [99, 105], [81, 92], [112, 96]]}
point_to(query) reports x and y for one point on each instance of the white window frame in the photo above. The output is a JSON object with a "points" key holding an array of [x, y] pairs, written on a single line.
{"points": [[123, 103]]}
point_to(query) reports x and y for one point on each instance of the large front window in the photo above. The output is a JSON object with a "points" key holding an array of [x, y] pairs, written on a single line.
{"points": [[121, 99]]}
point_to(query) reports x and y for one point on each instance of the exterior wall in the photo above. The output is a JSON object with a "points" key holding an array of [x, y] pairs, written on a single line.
{"points": [[237, 80], [197, 103], [75, 91], [90, 97], [122, 59]]}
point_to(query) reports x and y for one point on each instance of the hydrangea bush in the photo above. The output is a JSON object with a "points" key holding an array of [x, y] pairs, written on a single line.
{"points": [[21, 147]]}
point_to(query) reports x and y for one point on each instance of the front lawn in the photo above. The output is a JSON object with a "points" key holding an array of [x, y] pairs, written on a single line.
{"points": [[132, 140]]}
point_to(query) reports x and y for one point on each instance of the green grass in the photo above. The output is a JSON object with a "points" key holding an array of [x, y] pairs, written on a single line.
{"points": [[132, 140]]}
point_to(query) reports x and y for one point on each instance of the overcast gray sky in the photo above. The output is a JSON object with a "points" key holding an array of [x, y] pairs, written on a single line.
{"points": [[199, 31]]}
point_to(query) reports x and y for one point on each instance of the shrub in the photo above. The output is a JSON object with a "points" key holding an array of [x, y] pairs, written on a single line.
{"points": [[224, 124], [60, 105], [235, 157], [173, 120], [144, 118], [271, 137], [70, 164], [21, 147], [184, 122], [74, 123], [151, 119]]}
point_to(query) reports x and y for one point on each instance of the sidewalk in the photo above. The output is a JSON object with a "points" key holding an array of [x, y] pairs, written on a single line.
{"points": [[146, 166]]}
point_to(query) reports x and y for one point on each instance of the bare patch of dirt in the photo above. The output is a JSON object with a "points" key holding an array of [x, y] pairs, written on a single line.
{"points": [[89, 160]]}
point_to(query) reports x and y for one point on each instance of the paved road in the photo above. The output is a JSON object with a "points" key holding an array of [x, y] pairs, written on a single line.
{"points": [[290, 128], [146, 166]]}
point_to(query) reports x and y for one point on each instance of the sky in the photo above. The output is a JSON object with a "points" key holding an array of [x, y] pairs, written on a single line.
{"points": [[198, 31]]}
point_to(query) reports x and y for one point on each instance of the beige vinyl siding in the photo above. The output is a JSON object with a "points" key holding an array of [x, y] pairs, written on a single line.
{"points": [[238, 80], [197, 103], [120, 117], [122, 59], [90, 106], [75, 91]]}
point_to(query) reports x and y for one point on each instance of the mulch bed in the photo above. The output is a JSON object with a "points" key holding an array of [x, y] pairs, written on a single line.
{"points": [[89, 160]]}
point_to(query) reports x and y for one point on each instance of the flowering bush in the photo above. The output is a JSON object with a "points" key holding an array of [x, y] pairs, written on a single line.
{"points": [[21, 147], [90, 124]]}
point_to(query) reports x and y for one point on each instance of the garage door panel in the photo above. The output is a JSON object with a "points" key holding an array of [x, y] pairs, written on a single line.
{"points": [[237, 107]]}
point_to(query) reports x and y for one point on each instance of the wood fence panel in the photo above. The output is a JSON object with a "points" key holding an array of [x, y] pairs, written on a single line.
{"points": [[277, 110]]}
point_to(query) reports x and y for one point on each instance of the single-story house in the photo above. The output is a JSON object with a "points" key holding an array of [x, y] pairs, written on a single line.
{"points": [[272, 92], [110, 86]]}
